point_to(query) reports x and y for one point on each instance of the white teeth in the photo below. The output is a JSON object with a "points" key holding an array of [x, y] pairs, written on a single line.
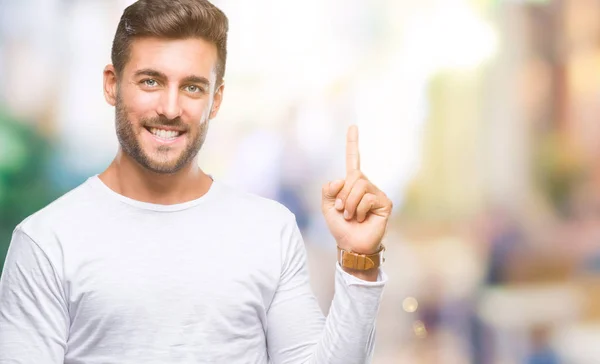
{"points": [[164, 134]]}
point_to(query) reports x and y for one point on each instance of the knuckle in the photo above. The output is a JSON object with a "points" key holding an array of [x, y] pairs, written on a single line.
{"points": [[356, 196], [351, 202], [363, 208], [362, 184], [342, 195]]}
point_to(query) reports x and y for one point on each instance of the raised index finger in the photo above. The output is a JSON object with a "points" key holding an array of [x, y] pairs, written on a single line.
{"points": [[352, 156]]}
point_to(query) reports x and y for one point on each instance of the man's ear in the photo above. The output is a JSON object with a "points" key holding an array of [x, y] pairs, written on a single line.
{"points": [[217, 101], [110, 84]]}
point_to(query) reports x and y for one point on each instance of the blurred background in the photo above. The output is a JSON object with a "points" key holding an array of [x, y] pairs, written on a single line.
{"points": [[477, 117]]}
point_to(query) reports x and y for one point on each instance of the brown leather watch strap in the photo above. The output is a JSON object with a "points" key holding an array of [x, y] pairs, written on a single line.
{"points": [[351, 260]]}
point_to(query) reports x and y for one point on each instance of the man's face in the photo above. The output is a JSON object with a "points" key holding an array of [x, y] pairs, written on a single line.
{"points": [[164, 100]]}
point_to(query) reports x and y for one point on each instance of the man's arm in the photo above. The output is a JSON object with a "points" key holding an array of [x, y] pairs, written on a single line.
{"points": [[34, 319], [298, 333]]}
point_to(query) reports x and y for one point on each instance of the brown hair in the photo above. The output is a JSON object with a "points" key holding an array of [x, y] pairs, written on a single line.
{"points": [[171, 19]]}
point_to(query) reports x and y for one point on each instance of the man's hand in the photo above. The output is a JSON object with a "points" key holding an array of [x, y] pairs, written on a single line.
{"points": [[356, 211]]}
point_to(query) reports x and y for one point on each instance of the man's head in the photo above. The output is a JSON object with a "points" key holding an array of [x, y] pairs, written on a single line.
{"points": [[166, 79]]}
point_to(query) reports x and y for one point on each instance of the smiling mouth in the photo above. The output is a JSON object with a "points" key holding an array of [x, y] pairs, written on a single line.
{"points": [[165, 134]]}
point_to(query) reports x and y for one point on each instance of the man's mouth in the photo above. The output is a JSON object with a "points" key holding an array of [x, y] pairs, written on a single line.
{"points": [[164, 133]]}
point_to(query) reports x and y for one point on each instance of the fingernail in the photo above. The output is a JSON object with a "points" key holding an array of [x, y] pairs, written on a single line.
{"points": [[346, 214], [339, 204]]}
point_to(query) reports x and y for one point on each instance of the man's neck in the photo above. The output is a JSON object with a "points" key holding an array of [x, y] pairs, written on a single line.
{"points": [[128, 178]]}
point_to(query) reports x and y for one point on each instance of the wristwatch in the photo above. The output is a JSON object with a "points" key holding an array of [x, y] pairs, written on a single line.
{"points": [[352, 260]]}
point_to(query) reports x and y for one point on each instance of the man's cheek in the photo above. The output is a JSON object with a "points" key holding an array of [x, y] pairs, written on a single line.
{"points": [[144, 102]]}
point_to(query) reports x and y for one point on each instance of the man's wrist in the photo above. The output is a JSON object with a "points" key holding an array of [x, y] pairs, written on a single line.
{"points": [[364, 266], [370, 275]]}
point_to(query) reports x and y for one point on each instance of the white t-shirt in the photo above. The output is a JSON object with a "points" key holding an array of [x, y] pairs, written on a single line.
{"points": [[99, 278]]}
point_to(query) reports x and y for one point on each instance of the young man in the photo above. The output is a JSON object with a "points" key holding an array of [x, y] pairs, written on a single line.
{"points": [[153, 261]]}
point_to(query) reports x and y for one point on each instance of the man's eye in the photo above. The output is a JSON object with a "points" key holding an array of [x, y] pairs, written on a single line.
{"points": [[193, 89], [150, 82]]}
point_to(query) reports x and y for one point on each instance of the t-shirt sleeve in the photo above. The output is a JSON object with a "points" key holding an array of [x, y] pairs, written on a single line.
{"points": [[34, 320], [297, 331]]}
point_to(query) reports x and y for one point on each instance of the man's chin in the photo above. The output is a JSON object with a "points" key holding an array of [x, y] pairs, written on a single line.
{"points": [[163, 168], [165, 160]]}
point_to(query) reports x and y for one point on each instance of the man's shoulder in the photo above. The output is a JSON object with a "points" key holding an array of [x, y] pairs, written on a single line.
{"points": [[65, 210], [254, 206]]}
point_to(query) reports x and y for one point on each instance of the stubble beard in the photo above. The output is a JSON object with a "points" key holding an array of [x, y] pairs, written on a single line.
{"points": [[157, 161]]}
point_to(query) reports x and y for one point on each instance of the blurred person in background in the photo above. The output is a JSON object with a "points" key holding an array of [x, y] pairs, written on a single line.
{"points": [[153, 260], [542, 351]]}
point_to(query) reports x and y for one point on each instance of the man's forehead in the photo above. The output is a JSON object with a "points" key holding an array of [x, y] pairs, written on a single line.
{"points": [[174, 57]]}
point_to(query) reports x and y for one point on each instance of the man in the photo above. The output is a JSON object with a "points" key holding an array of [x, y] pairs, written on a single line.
{"points": [[154, 261]]}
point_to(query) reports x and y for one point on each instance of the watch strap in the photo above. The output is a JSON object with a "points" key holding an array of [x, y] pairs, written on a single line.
{"points": [[356, 261]]}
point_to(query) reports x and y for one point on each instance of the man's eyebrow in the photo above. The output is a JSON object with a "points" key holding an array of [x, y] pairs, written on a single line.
{"points": [[197, 79], [150, 72]]}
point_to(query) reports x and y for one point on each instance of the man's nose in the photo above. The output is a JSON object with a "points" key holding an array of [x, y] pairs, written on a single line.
{"points": [[169, 105]]}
